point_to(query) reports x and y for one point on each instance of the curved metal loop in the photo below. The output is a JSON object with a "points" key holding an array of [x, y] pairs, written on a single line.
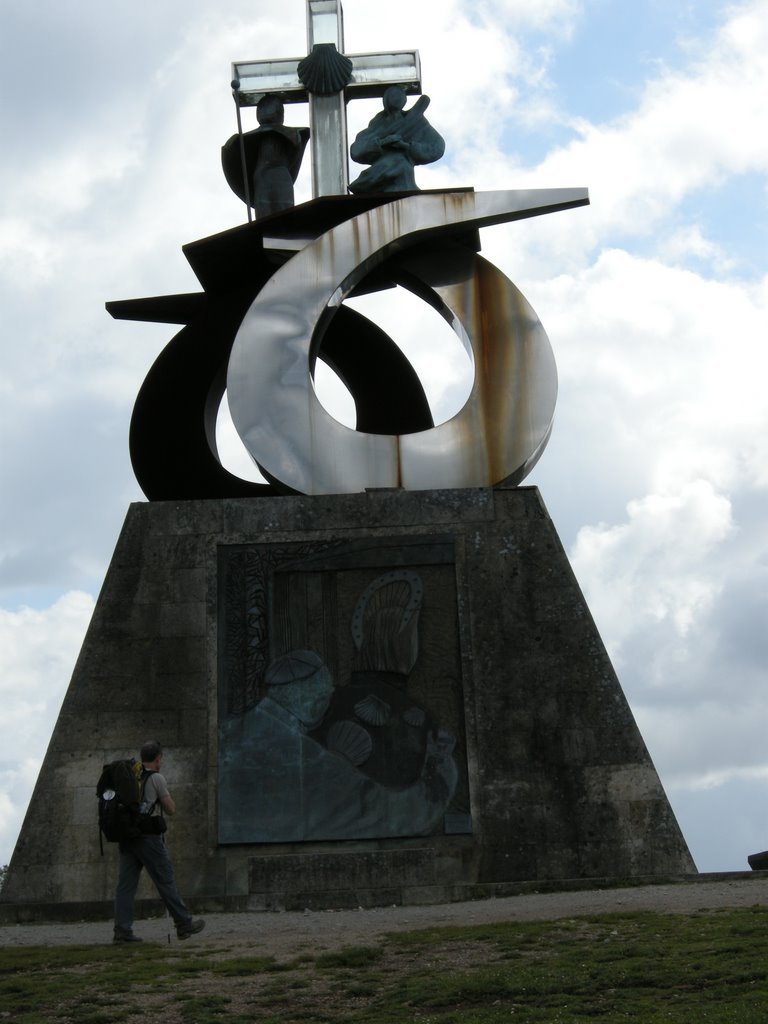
{"points": [[504, 425], [173, 428]]}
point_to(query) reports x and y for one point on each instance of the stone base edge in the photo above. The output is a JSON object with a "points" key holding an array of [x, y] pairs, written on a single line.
{"points": [[42, 913]]}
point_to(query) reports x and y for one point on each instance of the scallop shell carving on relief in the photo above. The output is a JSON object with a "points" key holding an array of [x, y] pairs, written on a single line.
{"points": [[414, 716], [350, 741], [373, 710], [325, 71]]}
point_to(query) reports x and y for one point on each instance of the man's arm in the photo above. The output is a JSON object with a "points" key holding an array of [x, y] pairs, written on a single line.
{"points": [[168, 804], [161, 789]]}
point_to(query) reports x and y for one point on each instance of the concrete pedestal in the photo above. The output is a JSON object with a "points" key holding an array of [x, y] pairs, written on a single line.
{"points": [[553, 778]]}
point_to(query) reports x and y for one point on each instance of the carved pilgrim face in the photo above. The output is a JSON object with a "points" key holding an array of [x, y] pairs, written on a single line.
{"points": [[301, 683], [311, 698]]}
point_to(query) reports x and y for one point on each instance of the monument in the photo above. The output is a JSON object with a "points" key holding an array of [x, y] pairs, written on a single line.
{"points": [[375, 676]]}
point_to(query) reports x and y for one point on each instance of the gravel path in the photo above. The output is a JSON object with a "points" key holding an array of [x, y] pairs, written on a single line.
{"points": [[284, 934]]}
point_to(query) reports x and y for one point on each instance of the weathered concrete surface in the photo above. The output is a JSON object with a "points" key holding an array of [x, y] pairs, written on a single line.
{"points": [[561, 783]]}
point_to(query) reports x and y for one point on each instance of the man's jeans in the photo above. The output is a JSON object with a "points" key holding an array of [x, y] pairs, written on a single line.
{"points": [[146, 852]]}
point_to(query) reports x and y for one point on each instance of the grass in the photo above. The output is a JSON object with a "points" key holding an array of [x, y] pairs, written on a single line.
{"points": [[647, 968]]}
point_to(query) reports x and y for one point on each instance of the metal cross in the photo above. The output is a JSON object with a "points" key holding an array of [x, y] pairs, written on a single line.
{"points": [[372, 74]]}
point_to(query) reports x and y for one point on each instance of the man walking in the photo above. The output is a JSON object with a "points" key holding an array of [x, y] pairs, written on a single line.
{"points": [[148, 851]]}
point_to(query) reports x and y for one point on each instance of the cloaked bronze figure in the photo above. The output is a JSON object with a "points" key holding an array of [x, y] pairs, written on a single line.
{"points": [[273, 154], [393, 143]]}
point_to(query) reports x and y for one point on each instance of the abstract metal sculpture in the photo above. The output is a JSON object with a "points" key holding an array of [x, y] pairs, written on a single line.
{"points": [[273, 299], [505, 423]]}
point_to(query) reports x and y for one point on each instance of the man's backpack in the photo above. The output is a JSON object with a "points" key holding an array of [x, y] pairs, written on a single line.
{"points": [[120, 791]]}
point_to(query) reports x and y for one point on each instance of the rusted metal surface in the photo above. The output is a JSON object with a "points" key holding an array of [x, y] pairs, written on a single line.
{"points": [[504, 425]]}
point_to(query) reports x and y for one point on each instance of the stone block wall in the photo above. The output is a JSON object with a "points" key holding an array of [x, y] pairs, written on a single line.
{"points": [[561, 785]]}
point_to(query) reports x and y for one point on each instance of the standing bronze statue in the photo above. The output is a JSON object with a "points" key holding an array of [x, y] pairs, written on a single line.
{"points": [[272, 156], [393, 143]]}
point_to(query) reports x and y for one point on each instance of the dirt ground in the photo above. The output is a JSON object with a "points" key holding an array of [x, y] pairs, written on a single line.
{"points": [[285, 934]]}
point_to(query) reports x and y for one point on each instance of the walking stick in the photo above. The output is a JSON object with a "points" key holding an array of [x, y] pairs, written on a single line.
{"points": [[167, 911], [246, 186]]}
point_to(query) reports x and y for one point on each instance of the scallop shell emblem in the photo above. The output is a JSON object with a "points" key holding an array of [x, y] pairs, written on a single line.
{"points": [[414, 716], [351, 741], [373, 710], [325, 71]]}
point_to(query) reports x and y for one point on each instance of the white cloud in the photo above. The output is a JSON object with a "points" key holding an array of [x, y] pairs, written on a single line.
{"points": [[722, 776], [662, 367], [28, 255], [689, 241], [556, 18], [16, 785], [706, 745], [693, 129], [653, 568], [38, 649]]}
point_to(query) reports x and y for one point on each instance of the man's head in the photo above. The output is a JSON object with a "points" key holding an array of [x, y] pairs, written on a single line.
{"points": [[151, 752]]}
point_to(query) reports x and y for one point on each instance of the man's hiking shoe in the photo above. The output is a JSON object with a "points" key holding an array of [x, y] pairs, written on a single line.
{"points": [[126, 937], [191, 928]]}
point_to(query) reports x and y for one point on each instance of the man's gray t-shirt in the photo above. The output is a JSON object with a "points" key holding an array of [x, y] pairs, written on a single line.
{"points": [[155, 789]]}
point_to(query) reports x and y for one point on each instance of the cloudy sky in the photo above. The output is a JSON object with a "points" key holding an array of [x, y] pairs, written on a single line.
{"points": [[655, 299]]}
